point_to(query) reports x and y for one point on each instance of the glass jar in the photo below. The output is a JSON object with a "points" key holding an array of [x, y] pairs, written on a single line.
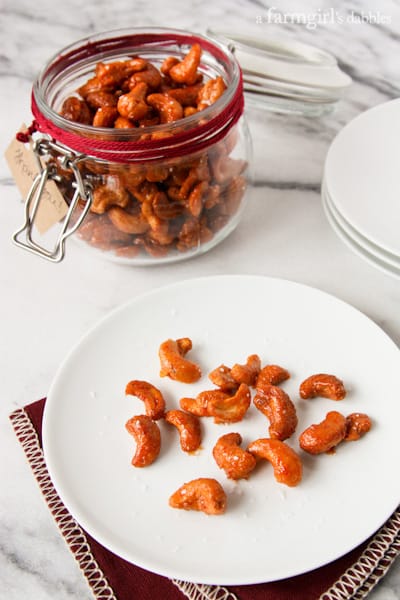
{"points": [[147, 193]]}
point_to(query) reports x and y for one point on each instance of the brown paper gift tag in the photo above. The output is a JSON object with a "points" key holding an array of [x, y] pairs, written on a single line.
{"points": [[24, 169]]}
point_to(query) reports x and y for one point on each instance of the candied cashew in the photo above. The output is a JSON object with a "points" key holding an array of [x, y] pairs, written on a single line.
{"points": [[164, 208], [113, 74], [276, 405], [150, 75], [159, 228], [105, 116], [210, 92], [286, 462], [222, 377], [93, 85], [324, 436], [110, 194], [148, 440], [101, 233], [229, 456], [127, 222], [196, 198], [271, 375], [100, 98], [133, 104], [357, 425], [123, 123], [203, 494], [151, 396], [225, 408], [231, 409], [189, 429], [157, 174], [213, 196], [75, 109], [168, 108], [324, 385], [188, 111], [186, 96], [199, 172], [173, 363], [248, 372], [168, 63], [199, 406], [185, 71]]}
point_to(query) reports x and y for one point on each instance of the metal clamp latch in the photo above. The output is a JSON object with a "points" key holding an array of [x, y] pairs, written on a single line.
{"points": [[47, 170]]}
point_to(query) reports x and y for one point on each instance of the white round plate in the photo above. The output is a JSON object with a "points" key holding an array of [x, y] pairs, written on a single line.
{"points": [[362, 174], [366, 245], [370, 257], [269, 531]]}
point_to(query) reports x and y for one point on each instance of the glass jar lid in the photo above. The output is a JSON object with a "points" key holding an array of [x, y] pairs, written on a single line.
{"points": [[286, 75]]}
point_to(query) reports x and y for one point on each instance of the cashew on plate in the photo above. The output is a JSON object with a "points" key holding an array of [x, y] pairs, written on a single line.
{"points": [[276, 405], [203, 494], [322, 384], [223, 407], [174, 365], [189, 429], [147, 435], [229, 456], [286, 462], [357, 425], [151, 396], [324, 436]]}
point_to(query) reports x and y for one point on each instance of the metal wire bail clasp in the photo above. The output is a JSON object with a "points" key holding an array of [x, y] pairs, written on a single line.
{"points": [[54, 154]]}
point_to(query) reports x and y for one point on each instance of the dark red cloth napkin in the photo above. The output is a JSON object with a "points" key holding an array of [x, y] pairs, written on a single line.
{"points": [[112, 578]]}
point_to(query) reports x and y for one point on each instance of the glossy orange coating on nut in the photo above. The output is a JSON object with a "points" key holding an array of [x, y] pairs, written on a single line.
{"points": [[151, 396], [229, 456], [147, 437], [222, 377], [357, 425], [133, 105], [188, 426], [174, 365], [223, 406], [203, 494], [276, 405], [186, 96], [105, 116], [287, 465], [271, 375], [185, 71], [322, 384], [150, 75], [210, 92], [100, 98], [75, 109], [248, 372], [169, 109], [200, 406], [232, 408], [324, 436]]}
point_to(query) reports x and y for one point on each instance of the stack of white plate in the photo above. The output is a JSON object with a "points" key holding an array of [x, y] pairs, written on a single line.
{"points": [[361, 187]]}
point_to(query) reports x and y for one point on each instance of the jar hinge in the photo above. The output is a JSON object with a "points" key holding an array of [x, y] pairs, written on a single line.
{"points": [[49, 154]]}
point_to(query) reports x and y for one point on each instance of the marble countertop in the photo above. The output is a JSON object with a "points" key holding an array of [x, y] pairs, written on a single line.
{"points": [[46, 308]]}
